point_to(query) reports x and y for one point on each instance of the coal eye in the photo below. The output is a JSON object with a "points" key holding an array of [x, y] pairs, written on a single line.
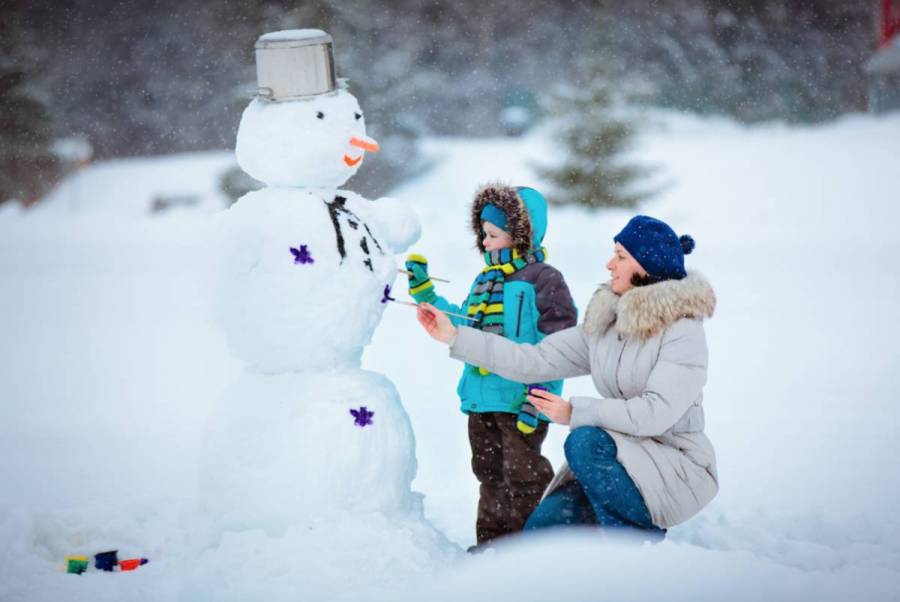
{"points": [[358, 116], [320, 115]]}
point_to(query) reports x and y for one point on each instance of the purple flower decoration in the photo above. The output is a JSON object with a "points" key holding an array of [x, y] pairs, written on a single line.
{"points": [[531, 389], [387, 294], [362, 416], [302, 255]]}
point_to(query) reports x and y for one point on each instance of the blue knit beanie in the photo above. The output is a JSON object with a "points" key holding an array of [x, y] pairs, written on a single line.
{"points": [[656, 247], [493, 213]]}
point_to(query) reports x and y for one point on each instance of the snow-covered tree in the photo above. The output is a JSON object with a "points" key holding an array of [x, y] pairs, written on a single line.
{"points": [[28, 165], [595, 133]]}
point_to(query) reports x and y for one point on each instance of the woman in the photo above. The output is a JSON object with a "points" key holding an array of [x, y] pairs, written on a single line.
{"points": [[637, 457]]}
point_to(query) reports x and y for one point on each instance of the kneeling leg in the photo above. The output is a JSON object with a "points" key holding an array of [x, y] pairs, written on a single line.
{"points": [[616, 500], [567, 506]]}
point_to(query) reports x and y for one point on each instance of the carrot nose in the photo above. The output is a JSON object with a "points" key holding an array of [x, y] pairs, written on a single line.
{"points": [[365, 143]]}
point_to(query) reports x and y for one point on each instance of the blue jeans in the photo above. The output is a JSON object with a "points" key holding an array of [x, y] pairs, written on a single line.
{"points": [[602, 493]]}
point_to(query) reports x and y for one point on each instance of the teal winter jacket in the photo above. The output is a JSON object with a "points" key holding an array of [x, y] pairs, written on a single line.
{"points": [[536, 300]]}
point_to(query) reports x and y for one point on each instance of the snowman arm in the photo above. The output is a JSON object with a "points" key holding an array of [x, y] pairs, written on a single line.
{"points": [[397, 222]]}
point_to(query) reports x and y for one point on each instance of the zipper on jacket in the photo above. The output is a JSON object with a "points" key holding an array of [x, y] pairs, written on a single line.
{"points": [[619, 365], [519, 318]]}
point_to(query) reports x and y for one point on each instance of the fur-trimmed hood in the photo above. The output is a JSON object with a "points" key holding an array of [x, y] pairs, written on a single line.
{"points": [[525, 209], [645, 311]]}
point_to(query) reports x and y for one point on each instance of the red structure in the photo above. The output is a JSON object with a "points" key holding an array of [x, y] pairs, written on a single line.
{"points": [[890, 21], [883, 69]]}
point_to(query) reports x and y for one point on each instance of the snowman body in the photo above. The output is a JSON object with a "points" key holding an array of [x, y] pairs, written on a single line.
{"points": [[302, 277], [303, 267]]}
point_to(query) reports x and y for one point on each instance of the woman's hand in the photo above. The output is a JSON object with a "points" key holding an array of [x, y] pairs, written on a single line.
{"points": [[435, 323], [552, 406]]}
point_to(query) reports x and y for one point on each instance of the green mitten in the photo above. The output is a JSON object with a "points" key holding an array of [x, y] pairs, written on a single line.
{"points": [[527, 420], [420, 286]]}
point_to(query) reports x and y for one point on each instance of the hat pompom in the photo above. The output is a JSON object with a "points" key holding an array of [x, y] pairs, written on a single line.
{"points": [[687, 243]]}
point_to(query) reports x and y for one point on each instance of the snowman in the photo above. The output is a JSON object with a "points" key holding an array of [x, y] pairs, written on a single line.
{"points": [[303, 268]]}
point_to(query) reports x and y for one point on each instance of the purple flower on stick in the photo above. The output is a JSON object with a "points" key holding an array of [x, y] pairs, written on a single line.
{"points": [[302, 255], [362, 416], [387, 294], [531, 389]]}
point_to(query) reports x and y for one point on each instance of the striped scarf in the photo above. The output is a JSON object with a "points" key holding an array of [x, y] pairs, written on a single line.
{"points": [[485, 304]]}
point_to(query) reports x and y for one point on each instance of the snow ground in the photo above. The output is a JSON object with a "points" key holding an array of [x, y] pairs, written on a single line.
{"points": [[111, 362]]}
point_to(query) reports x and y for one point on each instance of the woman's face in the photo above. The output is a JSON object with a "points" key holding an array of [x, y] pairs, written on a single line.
{"points": [[621, 268], [495, 238]]}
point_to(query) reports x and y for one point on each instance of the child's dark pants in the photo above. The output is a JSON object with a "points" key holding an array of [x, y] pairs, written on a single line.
{"points": [[512, 472]]}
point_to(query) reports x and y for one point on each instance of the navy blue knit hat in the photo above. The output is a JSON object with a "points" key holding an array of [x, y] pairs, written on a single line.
{"points": [[656, 247]]}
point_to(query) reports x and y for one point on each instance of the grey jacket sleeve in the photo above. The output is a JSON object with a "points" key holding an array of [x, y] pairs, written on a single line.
{"points": [[554, 302], [560, 355], [674, 385]]}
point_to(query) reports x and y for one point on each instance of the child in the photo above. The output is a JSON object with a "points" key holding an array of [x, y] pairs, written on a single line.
{"points": [[521, 297]]}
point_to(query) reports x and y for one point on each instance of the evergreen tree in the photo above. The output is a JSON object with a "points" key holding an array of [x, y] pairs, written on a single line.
{"points": [[595, 133], [28, 167]]}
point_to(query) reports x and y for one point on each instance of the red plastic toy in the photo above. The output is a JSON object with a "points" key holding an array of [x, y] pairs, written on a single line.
{"points": [[132, 563]]}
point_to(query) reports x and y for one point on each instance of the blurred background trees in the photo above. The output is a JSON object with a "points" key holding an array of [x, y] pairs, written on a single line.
{"points": [[164, 76], [595, 128], [28, 165]]}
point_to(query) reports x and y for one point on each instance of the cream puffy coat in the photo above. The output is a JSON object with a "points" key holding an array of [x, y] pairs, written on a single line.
{"points": [[647, 354]]}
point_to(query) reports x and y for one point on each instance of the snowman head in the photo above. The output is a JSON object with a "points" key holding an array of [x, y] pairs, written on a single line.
{"points": [[315, 142]]}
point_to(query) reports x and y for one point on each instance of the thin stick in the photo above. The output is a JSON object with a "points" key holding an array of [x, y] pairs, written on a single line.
{"points": [[408, 273], [449, 313]]}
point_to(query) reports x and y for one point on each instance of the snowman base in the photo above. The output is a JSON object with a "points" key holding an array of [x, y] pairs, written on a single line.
{"points": [[364, 555], [282, 448], [309, 497]]}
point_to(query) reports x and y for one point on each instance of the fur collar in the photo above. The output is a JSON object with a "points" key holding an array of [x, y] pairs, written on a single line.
{"points": [[645, 311], [507, 199]]}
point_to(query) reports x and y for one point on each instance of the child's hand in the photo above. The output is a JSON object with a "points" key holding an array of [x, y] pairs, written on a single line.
{"points": [[420, 286], [552, 406], [435, 323]]}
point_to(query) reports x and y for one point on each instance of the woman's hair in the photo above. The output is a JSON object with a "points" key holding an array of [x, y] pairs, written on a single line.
{"points": [[638, 280]]}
